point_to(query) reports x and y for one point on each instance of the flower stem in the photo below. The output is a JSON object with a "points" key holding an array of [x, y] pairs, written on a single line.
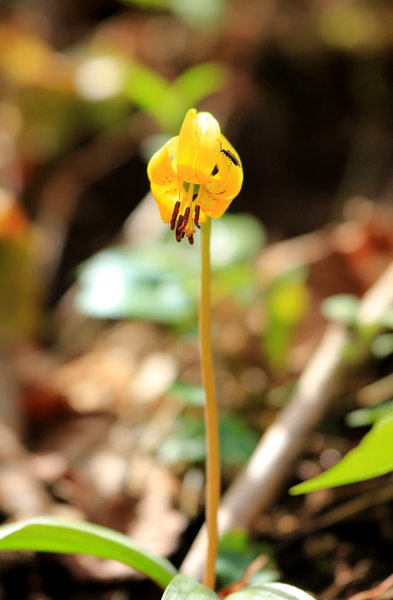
{"points": [[211, 411]]}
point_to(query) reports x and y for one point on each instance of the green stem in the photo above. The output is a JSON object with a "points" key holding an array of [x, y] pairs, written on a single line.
{"points": [[211, 411]]}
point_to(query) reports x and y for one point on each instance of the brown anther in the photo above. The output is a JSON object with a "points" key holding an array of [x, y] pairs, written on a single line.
{"points": [[179, 228], [191, 239], [179, 224], [186, 217], [196, 216], [174, 214]]}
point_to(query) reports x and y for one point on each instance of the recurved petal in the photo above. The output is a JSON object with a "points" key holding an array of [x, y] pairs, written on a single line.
{"points": [[198, 147], [228, 180], [166, 196], [160, 169], [212, 205]]}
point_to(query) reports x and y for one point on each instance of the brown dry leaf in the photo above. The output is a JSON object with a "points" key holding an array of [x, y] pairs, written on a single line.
{"points": [[128, 367]]}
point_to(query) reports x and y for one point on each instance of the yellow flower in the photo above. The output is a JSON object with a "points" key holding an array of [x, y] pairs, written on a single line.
{"points": [[195, 174]]}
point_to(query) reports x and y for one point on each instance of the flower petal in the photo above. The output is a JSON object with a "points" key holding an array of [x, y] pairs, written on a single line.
{"points": [[160, 170], [198, 147], [225, 185], [213, 206], [166, 197]]}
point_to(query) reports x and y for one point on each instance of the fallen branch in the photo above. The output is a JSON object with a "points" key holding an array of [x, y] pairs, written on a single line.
{"points": [[255, 488]]}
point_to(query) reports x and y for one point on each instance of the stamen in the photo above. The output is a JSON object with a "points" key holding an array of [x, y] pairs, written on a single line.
{"points": [[185, 219], [196, 216], [215, 170], [174, 214], [191, 239], [179, 228], [179, 223]]}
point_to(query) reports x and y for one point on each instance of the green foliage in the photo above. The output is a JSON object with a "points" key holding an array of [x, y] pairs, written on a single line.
{"points": [[204, 14], [368, 416], [342, 308], [143, 86], [236, 552], [372, 457], [121, 283], [159, 283], [235, 239], [286, 304], [187, 394], [184, 587], [49, 534], [186, 441], [270, 591]]}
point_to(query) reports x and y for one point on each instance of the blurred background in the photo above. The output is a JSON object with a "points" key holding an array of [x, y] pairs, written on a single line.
{"points": [[101, 403]]}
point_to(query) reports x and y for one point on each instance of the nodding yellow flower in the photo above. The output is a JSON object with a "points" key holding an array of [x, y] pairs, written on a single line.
{"points": [[195, 174]]}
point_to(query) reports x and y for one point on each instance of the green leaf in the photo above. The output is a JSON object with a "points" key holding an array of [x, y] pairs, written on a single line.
{"points": [[205, 14], [200, 81], [187, 441], [152, 284], [156, 96], [50, 534], [371, 458], [182, 587], [270, 591], [188, 394], [368, 416], [342, 308], [286, 304], [235, 238]]}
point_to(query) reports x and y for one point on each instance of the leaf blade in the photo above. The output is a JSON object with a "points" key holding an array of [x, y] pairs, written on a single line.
{"points": [[51, 534], [182, 587], [270, 591], [371, 458]]}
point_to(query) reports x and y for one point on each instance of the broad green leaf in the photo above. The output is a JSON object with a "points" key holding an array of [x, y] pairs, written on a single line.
{"points": [[158, 283], [152, 284], [182, 587], [342, 308], [372, 457], [270, 591], [50, 534]]}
